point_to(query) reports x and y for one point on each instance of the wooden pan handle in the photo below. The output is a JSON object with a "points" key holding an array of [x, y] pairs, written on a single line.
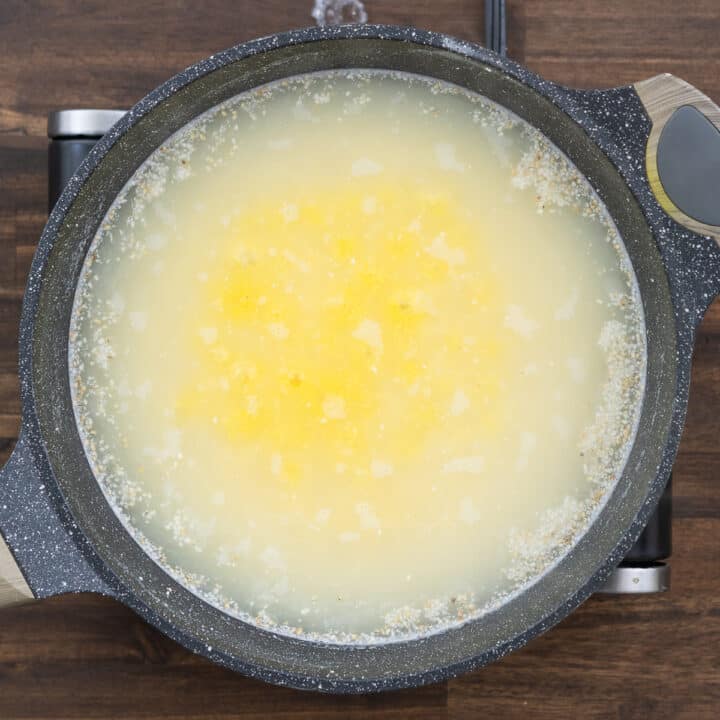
{"points": [[683, 152], [13, 588]]}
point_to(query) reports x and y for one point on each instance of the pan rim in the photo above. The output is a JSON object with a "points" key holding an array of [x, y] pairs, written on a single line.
{"points": [[30, 306]]}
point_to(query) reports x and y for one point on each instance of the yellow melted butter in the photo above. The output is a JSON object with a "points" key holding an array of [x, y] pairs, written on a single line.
{"points": [[335, 333]]}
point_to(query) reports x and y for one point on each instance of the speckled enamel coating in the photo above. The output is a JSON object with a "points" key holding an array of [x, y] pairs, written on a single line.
{"points": [[56, 556]]}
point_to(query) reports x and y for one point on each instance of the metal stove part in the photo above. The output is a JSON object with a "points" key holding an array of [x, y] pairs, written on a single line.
{"points": [[339, 12], [655, 542], [642, 570], [72, 135], [85, 123], [626, 580], [496, 26]]}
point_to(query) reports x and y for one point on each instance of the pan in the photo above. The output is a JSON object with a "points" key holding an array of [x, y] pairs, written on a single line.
{"points": [[652, 153]]}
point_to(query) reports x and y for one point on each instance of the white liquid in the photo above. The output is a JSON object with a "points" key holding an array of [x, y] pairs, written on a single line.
{"points": [[357, 355]]}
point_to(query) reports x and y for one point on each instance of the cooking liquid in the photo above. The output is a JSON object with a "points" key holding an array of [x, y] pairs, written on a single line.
{"points": [[357, 355]]}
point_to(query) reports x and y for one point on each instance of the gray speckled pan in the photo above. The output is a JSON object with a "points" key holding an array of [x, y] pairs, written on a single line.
{"points": [[55, 519]]}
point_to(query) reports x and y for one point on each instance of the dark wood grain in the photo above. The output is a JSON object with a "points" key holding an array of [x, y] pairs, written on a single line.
{"points": [[87, 657]]}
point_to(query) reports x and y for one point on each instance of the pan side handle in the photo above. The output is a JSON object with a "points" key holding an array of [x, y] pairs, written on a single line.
{"points": [[40, 550], [683, 152], [13, 586], [663, 135]]}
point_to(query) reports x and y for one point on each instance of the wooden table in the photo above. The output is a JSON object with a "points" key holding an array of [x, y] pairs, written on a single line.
{"points": [[86, 657]]}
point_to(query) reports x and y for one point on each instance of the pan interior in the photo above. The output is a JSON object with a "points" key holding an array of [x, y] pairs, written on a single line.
{"points": [[89, 505], [372, 379]]}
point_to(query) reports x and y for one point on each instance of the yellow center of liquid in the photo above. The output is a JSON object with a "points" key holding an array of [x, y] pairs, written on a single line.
{"points": [[334, 332]]}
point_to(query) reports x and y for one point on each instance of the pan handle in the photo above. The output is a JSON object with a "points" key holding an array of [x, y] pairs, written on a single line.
{"points": [[663, 135], [13, 586], [682, 157], [40, 549]]}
